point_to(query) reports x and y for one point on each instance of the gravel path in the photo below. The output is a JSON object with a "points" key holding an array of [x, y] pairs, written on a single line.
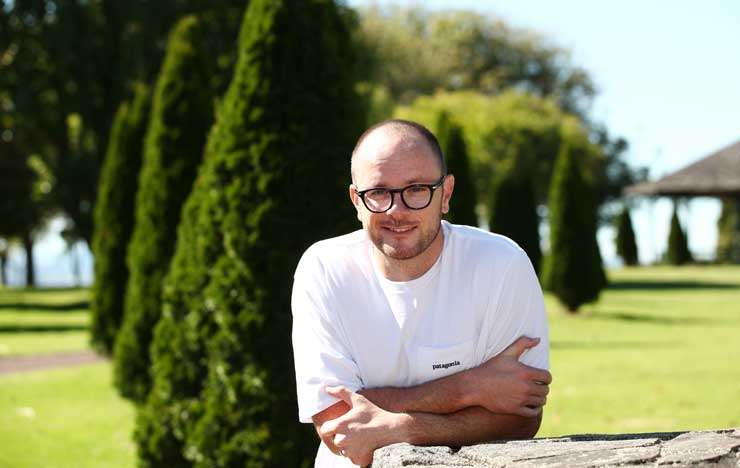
{"points": [[15, 364]]}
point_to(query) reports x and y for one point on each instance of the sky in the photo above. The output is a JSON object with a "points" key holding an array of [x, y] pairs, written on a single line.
{"points": [[668, 75]]}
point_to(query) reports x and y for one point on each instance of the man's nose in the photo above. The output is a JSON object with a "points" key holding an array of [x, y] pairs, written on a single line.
{"points": [[398, 206]]}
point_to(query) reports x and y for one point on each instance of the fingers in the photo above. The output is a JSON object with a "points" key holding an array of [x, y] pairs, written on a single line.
{"points": [[529, 412], [341, 392], [536, 401], [339, 440], [539, 376], [330, 428], [539, 390], [518, 347]]}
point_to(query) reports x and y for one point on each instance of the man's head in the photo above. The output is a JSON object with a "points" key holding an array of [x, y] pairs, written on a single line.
{"points": [[393, 155]]}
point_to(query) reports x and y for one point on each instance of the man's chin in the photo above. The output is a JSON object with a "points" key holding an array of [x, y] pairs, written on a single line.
{"points": [[399, 253]]}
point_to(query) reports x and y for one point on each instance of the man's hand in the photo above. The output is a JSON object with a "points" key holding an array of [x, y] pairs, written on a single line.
{"points": [[504, 385], [362, 429]]}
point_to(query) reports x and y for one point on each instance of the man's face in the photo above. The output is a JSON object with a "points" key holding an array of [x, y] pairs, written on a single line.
{"points": [[392, 160]]}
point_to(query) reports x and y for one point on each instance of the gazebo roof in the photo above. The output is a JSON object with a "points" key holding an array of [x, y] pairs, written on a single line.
{"points": [[716, 175]]}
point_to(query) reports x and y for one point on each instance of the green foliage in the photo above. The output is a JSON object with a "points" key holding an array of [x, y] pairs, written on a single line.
{"points": [[411, 51], [182, 112], [273, 182], [24, 202], [464, 200], [678, 252], [60, 104], [572, 270], [728, 228], [500, 128], [114, 218], [514, 208], [626, 244]]}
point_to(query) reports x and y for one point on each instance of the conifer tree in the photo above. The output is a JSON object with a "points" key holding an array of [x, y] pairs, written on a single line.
{"points": [[572, 269], [114, 218], [273, 182], [728, 229], [464, 200], [678, 252], [182, 112], [514, 208], [626, 244]]}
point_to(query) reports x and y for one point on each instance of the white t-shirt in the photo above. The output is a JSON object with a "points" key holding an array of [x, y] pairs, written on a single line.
{"points": [[354, 327]]}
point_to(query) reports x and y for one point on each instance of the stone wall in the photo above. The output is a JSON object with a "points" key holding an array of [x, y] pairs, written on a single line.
{"points": [[706, 448]]}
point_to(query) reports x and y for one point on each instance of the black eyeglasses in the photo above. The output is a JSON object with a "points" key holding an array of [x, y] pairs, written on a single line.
{"points": [[415, 197]]}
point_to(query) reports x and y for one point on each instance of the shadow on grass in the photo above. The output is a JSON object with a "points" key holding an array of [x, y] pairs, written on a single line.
{"points": [[32, 306], [41, 290], [41, 328], [610, 345], [647, 318], [668, 285]]}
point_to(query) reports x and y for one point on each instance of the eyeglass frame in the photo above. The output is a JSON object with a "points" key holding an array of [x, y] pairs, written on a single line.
{"points": [[393, 192]]}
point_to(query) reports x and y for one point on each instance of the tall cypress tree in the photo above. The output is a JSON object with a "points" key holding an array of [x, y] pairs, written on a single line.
{"points": [[626, 244], [272, 183], [182, 112], [678, 252], [514, 208], [573, 269], [114, 217], [728, 229], [464, 200]]}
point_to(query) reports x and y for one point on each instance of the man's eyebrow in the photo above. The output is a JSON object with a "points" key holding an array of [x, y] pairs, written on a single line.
{"points": [[406, 183]]}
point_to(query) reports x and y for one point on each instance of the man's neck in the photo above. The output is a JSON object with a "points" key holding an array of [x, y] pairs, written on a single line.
{"points": [[412, 268]]}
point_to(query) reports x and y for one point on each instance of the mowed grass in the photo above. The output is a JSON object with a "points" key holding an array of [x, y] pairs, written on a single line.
{"points": [[64, 418], [660, 351], [43, 321]]}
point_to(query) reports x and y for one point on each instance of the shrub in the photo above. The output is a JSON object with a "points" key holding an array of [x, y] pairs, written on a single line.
{"points": [[114, 218], [573, 269], [626, 245], [273, 182], [464, 200], [678, 244], [182, 111], [514, 208]]}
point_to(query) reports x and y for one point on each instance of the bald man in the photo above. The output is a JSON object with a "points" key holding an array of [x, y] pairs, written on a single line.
{"points": [[413, 329]]}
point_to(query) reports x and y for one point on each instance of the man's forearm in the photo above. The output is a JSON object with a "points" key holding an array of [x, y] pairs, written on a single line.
{"points": [[446, 395], [502, 385], [465, 427]]}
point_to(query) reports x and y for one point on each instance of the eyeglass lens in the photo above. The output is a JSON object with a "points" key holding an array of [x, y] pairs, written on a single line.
{"points": [[414, 197]]}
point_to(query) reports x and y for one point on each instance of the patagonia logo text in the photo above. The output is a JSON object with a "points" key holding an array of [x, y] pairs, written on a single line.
{"points": [[445, 365]]}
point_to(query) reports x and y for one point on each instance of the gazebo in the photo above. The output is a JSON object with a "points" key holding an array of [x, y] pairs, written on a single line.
{"points": [[716, 175]]}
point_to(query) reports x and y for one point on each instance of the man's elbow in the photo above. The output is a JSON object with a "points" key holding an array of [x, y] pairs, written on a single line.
{"points": [[529, 428]]}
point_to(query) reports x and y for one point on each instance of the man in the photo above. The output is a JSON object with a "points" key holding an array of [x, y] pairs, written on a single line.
{"points": [[412, 329]]}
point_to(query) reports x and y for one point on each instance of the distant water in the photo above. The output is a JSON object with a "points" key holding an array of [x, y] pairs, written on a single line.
{"points": [[57, 265]]}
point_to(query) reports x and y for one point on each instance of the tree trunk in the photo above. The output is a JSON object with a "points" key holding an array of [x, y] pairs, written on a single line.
{"points": [[30, 269], [3, 264]]}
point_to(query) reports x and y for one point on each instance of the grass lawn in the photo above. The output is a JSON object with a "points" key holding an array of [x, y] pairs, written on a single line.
{"points": [[43, 321], [660, 351], [64, 418]]}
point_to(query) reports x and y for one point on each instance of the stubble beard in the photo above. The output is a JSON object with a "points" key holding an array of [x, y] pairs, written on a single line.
{"points": [[390, 251]]}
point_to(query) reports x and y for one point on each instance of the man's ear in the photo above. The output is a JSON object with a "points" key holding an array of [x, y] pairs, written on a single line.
{"points": [[448, 185], [355, 200]]}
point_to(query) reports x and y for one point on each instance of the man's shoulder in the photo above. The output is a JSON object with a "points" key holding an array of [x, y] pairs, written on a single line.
{"points": [[483, 244], [336, 250]]}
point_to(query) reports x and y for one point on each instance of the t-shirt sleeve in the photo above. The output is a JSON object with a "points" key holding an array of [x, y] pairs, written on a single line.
{"points": [[519, 311], [320, 350]]}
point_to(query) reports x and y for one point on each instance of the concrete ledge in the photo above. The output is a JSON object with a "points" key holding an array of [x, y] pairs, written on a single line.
{"points": [[720, 448]]}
